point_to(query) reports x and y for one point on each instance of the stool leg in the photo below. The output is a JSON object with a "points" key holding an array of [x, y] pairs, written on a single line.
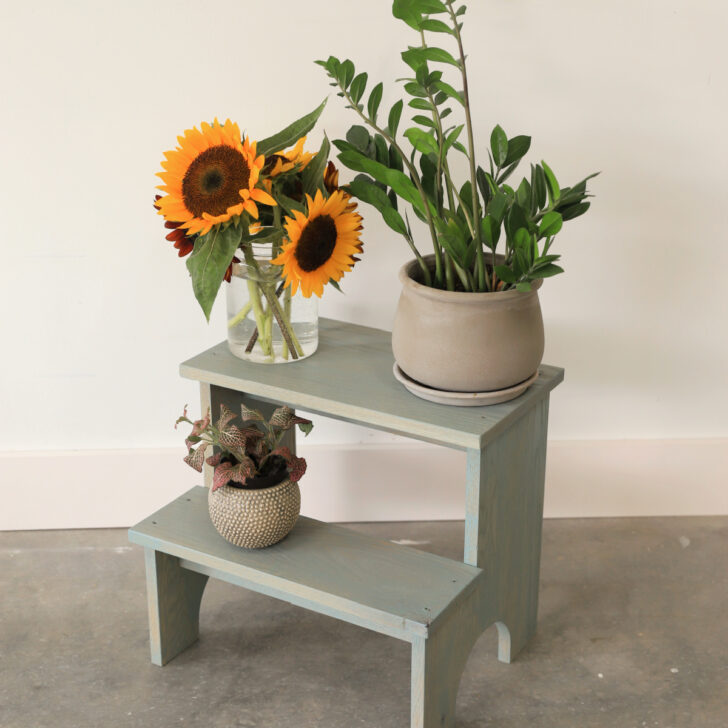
{"points": [[173, 598], [504, 515], [438, 661]]}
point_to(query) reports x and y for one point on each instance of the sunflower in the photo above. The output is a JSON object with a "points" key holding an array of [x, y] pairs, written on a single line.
{"points": [[282, 161], [210, 178], [320, 247]]}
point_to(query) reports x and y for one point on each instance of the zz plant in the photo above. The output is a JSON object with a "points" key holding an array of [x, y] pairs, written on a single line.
{"points": [[466, 222]]}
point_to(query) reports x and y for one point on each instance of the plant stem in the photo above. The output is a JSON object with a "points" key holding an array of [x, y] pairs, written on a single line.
{"points": [[240, 315], [481, 272], [287, 313]]}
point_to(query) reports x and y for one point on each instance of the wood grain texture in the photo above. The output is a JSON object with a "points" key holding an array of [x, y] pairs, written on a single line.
{"points": [[350, 378], [329, 569], [173, 600], [503, 521], [438, 661]]}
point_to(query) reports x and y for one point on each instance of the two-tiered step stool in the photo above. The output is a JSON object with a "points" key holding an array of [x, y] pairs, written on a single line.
{"points": [[439, 605]]}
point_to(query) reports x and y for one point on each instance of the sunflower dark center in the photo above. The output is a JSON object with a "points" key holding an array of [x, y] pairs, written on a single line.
{"points": [[213, 181], [316, 244]]}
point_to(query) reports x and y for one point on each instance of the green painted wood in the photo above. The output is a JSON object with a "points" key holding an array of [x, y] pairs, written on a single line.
{"points": [[329, 569], [438, 661], [173, 600], [504, 515], [350, 378]]}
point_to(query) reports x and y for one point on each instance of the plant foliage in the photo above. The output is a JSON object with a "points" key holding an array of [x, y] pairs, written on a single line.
{"points": [[466, 221], [246, 450]]}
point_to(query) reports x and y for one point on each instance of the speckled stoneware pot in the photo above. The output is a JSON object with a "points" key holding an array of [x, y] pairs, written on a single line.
{"points": [[255, 519], [466, 342]]}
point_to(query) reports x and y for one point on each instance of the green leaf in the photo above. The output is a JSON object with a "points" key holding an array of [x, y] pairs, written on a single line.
{"points": [[515, 220], [524, 287], [424, 121], [547, 271], [538, 185], [517, 148], [490, 231], [482, 180], [421, 141], [551, 183], [498, 206], [415, 57], [375, 98], [346, 73], [415, 89], [499, 145], [395, 159], [436, 26], [359, 137], [381, 150], [523, 194], [460, 11], [368, 192], [292, 133], [505, 273], [395, 115], [550, 224], [398, 181], [210, 258], [448, 90], [313, 175], [572, 211], [421, 104], [411, 11], [357, 87], [452, 137]]}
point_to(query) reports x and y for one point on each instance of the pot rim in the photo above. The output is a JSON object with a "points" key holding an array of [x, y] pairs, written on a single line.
{"points": [[437, 294], [278, 486]]}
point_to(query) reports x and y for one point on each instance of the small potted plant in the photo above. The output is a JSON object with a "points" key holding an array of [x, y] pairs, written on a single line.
{"points": [[254, 500], [469, 318]]}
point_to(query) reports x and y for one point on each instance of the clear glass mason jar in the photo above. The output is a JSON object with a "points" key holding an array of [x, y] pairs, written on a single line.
{"points": [[266, 324]]}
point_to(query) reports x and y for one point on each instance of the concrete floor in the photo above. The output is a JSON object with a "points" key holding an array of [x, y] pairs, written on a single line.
{"points": [[633, 632]]}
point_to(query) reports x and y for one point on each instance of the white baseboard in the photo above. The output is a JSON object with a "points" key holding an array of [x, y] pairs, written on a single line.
{"points": [[390, 482]]}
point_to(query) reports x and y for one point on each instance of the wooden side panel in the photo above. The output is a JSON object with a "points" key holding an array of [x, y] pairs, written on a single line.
{"points": [[504, 514], [173, 599], [438, 661]]}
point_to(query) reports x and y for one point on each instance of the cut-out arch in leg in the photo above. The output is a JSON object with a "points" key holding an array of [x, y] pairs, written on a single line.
{"points": [[173, 596], [503, 521], [438, 661]]}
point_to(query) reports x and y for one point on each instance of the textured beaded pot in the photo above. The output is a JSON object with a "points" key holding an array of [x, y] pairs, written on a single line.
{"points": [[257, 518]]}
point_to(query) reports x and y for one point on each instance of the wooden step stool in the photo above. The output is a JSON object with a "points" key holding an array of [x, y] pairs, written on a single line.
{"points": [[434, 603]]}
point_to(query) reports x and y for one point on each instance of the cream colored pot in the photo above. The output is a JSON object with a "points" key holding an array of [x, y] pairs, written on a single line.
{"points": [[255, 519], [466, 342]]}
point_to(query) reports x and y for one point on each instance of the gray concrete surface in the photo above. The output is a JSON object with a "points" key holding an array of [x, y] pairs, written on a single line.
{"points": [[633, 632]]}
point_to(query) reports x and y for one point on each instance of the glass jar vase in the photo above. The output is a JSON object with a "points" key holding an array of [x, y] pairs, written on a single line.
{"points": [[265, 323]]}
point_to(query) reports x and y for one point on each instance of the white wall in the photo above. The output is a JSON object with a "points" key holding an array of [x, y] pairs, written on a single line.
{"points": [[98, 311]]}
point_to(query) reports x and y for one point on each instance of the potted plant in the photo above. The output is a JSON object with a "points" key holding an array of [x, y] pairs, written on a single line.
{"points": [[469, 318], [254, 500], [270, 221]]}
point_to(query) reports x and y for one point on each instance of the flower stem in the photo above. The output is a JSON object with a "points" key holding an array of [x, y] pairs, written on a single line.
{"points": [[240, 315]]}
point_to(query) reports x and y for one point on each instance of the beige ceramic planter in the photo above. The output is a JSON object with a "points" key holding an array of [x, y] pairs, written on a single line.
{"points": [[466, 342], [255, 519]]}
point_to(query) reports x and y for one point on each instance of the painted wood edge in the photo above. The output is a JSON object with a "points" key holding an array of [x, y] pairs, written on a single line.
{"points": [[284, 589], [333, 408], [336, 607]]}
